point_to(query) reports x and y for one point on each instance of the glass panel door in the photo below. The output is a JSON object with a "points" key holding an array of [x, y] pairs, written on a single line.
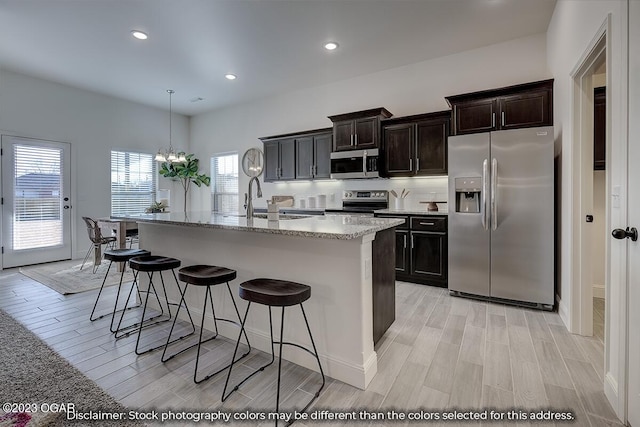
{"points": [[36, 214]]}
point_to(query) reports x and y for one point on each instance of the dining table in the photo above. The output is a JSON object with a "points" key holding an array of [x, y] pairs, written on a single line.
{"points": [[119, 229]]}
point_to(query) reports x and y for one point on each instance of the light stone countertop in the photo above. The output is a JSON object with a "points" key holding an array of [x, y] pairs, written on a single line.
{"points": [[340, 227]]}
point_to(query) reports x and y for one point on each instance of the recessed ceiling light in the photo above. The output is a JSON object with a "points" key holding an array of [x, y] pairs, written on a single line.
{"points": [[230, 76], [331, 46], [140, 35]]}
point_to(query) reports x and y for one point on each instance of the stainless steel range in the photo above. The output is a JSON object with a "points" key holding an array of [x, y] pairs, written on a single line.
{"points": [[362, 202]]}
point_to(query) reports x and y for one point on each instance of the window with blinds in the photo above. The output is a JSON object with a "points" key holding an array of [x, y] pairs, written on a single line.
{"points": [[133, 182], [37, 206], [224, 182]]}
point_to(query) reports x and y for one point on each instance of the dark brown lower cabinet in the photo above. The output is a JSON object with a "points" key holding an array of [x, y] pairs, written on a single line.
{"points": [[421, 249], [402, 251], [429, 256], [383, 283]]}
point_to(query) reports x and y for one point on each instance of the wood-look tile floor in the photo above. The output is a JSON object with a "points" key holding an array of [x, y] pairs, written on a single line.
{"points": [[598, 318], [440, 354]]}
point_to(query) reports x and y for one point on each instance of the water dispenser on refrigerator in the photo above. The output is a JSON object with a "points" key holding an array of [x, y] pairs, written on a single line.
{"points": [[468, 194]]}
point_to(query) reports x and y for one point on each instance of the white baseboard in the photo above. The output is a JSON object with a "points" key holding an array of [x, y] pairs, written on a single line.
{"points": [[611, 392], [563, 311], [598, 291]]}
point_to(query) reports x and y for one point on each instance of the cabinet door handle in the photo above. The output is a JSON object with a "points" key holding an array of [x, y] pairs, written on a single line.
{"points": [[315, 170], [311, 170], [405, 241], [356, 139], [412, 241], [417, 164], [410, 164], [502, 119], [427, 223], [351, 140], [493, 120]]}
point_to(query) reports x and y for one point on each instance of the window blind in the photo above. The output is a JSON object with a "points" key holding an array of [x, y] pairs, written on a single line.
{"points": [[133, 182], [37, 207], [224, 182]]}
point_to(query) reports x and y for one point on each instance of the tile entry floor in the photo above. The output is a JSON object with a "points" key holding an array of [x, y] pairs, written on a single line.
{"points": [[442, 352]]}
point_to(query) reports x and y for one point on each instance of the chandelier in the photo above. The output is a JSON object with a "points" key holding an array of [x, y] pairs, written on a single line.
{"points": [[169, 155]]}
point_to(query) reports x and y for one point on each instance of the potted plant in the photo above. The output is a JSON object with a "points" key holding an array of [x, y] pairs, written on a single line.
{"points": [[156, 207], [187, 173]]}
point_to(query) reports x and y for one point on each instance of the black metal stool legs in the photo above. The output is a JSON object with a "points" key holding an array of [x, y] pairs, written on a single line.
{"points": [[209, 297], [280, 343], [115, 305], [315, 353], [164, 288], [121, 332], [225, 395]]}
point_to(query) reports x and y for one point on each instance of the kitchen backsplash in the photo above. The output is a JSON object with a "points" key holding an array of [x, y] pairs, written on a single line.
{"points": [[420, 189]]}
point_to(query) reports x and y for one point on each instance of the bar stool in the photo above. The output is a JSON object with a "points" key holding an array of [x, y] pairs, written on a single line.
{"points": [[207, 276], [275, 293], [117, 255], [151, 264]]}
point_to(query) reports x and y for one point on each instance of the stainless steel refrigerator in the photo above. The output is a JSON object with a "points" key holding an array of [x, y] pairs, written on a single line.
{"points": [[501, 215]]}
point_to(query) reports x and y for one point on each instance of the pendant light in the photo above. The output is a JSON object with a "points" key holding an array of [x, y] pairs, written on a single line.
{"points": [[170, 155]]}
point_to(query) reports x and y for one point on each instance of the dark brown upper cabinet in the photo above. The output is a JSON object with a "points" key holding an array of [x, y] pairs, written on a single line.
{"points": [[416, 145], [359, 130], [313, 154], [512, 107], [302, 155], [599, 128], [279, 159]]}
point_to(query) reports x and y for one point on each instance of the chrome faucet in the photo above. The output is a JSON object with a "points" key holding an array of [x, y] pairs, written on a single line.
{"points": [[248, 197]]}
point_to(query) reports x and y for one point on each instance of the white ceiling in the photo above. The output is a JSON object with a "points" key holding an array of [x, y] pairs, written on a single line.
{"points": [[273, 46]]}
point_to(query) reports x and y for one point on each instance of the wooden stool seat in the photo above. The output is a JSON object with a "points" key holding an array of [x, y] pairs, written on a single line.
{"points": [[122, 255], [153, 263], [205, 275], [274, 292]]}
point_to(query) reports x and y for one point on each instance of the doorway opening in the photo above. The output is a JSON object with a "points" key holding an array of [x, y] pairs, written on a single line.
{"points": [[590, 192], [599, 230]]}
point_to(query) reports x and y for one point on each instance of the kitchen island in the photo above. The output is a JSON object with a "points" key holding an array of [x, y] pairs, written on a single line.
{"points": [[347, 261]]}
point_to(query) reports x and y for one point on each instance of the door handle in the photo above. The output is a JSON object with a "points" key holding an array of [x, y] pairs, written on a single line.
{"points": [[483, 201], [629, 233], [494, 190], [364, 163], [66, 206]]}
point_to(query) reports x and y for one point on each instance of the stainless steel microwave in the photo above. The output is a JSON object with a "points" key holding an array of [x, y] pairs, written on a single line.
{"points": [[355, 164]]}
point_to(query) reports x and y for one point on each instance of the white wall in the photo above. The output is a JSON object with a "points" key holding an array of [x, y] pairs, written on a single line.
{"points": [[94, 124], [572, 28], [412, 89]]}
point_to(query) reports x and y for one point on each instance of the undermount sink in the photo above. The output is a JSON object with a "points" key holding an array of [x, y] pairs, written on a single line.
{"points": [[281, 216]]}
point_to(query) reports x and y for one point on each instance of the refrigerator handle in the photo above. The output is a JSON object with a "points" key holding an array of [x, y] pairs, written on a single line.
{"points": [[483, 197], [494, 191]]}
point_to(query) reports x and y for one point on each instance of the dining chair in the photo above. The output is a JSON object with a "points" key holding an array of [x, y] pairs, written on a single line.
{"points": [[97, 240]]}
